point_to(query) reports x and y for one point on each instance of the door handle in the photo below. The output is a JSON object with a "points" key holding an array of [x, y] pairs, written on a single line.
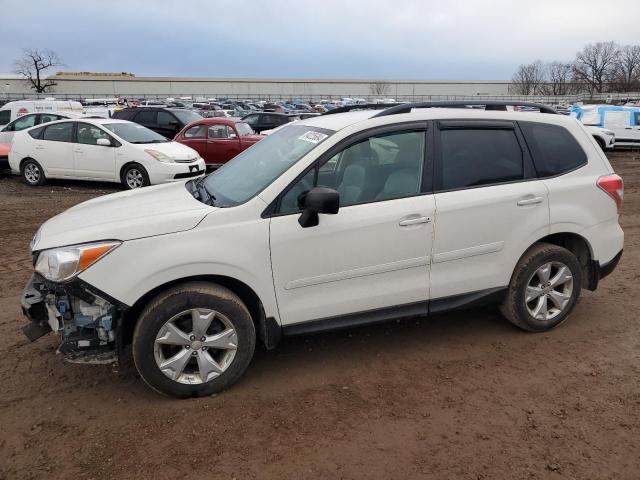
{"points": [[414, 221], [530, 201], [78, 150], [39, 147]]}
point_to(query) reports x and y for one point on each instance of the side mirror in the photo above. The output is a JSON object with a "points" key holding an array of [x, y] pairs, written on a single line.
{"points": [[318, 200], [233, 135], [103, 142]]}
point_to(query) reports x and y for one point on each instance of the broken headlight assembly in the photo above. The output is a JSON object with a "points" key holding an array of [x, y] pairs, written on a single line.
{"points": [[62, 264]]}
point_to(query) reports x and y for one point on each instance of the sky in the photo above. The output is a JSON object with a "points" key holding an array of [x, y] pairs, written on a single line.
{"points": [[351, 39]]}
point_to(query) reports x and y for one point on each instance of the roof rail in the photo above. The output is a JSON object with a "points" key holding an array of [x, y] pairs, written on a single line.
{"points": [[406, 107], [362, 106]]}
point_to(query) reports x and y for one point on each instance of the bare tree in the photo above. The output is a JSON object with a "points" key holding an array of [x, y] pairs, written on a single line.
{"points": [[528, 79], [558, 78], [627, 69], [33, 66], [379, 88], [595, 64]]}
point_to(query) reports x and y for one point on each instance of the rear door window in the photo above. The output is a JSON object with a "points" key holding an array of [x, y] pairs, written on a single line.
{"points": [[146, 118], [553, 148], [49, 117], [473, 157], [166, 120], [59, 132]]}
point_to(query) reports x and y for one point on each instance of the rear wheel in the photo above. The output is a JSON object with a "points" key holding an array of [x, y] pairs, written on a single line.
{"points": [[544, 288], [193, 340], [32, 173], [135, 176], [601, 143]]}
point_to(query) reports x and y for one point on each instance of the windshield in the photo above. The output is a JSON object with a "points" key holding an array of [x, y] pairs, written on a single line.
{"points": [[244, 129], [255, 168], [134, 133], [186, 116]]}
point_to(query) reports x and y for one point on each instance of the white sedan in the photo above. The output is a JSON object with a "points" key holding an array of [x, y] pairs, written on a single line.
{"points": [[101, 149]]}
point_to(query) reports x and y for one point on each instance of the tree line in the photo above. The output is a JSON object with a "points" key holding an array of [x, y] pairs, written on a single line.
{"points": [[602, 67]]}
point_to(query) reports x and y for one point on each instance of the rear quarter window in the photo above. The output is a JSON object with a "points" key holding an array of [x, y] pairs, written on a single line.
{"points": [[553, 148], [36, 132]]}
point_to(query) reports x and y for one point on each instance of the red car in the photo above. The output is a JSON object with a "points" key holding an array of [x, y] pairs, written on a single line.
{"points": [[217, 140]]}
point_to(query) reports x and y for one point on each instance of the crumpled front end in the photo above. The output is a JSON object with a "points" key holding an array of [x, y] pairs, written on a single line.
{"points": [[86, 323]]}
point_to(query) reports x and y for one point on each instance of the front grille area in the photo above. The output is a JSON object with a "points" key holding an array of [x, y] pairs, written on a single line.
{"points": [[188, 175]]}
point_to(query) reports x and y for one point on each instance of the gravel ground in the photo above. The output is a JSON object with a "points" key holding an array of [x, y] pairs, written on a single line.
{"points": [[462, 395]]}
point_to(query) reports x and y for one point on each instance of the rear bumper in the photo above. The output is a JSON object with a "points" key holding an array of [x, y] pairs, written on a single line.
{"points": [[600, 271], [606, 268]]}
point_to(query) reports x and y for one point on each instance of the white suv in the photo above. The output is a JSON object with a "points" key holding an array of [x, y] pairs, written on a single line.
{"points": [[338, 220]]}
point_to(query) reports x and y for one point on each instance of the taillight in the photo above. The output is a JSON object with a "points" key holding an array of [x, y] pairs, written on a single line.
{"points": [[613, 186]]}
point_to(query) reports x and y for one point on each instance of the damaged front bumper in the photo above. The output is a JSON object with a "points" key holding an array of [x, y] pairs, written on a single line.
{"points": [[87, 323]]}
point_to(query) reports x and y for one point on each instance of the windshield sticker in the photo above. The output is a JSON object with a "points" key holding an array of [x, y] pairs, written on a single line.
{"points": [[313, 137]]}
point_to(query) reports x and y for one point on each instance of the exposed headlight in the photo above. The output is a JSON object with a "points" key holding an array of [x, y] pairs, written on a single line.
{"points": [[161, 157], [60, 264]]}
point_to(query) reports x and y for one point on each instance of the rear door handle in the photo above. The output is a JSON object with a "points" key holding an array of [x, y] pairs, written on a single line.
{"points": [[39, 147], [78, 150], [530, 201], [414, 221]]}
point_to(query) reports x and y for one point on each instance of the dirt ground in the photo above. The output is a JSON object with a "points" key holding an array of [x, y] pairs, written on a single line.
{"points": [[462, 395]]}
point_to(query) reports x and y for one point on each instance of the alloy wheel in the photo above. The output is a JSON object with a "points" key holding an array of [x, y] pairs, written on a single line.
{"points": [[134, 178], [195, 346], [549, 291], [32, 173]]}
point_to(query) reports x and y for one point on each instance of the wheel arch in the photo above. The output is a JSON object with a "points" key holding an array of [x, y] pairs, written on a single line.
{"points": [[267, 329], [581, 248], [126, 164]]}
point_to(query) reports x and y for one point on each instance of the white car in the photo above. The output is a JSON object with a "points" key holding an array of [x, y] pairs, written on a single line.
{"points": [[605, 138], [101, 149], [336, 221], [12, 110], [32, 120]]}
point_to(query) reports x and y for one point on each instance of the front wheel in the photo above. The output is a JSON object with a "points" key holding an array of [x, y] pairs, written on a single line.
{"points": [[135, 176], [544, 288], [193, 340]]}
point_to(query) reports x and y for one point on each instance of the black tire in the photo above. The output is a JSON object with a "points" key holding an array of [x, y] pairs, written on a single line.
{"points": [[32, 173], [132, 169], [171, 303], [515, 308], [600, 142]]}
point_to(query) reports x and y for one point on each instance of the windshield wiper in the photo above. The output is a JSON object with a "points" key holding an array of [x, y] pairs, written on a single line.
{"points": [[202, 193]]}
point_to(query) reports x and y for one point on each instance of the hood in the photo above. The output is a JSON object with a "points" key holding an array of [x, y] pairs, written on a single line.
{"points": [[176, 151], [126, 215]]}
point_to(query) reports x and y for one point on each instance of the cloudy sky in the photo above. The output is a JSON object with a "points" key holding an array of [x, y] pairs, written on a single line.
{"points": [[393, 39]]}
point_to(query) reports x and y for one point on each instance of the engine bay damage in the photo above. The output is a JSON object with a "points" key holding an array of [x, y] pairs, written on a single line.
{"points": [[86, 323]]}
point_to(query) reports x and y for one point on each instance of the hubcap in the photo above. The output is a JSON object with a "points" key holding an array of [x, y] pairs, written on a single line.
{"points": [[549, 291], [195, 346], [134, 178], [32, 173]]}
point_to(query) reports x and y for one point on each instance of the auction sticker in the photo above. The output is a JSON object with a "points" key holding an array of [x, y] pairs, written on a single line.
{"points": [[313, 137]]}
